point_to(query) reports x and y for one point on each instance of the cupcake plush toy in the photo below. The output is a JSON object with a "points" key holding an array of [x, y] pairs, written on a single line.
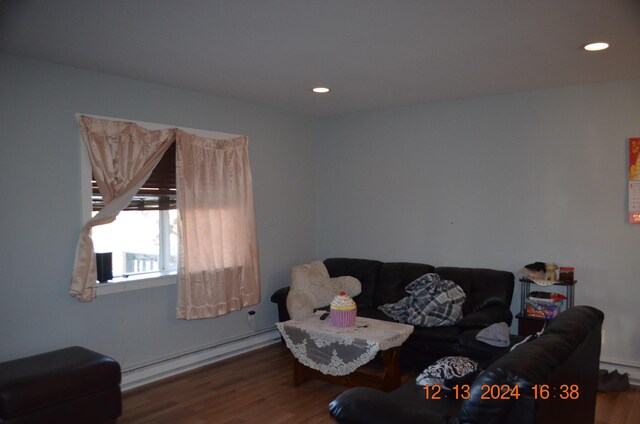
{"points": [[343, 311]]}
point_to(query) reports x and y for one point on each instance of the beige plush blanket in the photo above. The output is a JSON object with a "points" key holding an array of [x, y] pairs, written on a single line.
{"points": [[312, 288]]}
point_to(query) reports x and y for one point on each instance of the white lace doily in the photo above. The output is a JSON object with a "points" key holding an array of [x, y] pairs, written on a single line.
{"points": [[338, 351]]}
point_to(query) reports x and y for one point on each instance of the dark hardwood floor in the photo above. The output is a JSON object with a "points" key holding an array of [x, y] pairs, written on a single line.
{"points": [[619, 407], [257, 387]]}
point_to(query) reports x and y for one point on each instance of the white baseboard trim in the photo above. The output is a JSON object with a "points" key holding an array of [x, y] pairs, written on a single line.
{"points": [[630, 367], [182, 362]]}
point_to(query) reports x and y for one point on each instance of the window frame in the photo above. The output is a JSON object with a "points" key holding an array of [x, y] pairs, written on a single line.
{"points": [[139, 281]]}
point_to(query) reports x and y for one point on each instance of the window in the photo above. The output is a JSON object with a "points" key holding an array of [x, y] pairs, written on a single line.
{"points": [[143, 240], [140, 242]]}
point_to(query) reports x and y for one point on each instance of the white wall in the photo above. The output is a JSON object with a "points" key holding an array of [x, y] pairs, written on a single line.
{"points": [[41, 211], [494, 182]]}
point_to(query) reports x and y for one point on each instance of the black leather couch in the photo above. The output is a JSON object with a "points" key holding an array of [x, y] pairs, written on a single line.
{"points": [[567, 353], [488, 300]]}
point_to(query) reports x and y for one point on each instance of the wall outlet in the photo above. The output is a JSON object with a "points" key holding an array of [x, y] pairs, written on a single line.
{"points": [[251, 315], [602, 337]]}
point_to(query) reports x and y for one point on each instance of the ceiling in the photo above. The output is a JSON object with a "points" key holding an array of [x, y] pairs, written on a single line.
{"points": [[372, 53]]}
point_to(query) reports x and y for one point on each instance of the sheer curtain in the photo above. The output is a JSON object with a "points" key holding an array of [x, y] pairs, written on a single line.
{"points": [[122, 156], [218, 265]]}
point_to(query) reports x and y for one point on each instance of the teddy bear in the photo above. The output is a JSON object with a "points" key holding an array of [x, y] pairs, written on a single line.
{"points": [[313, 288]]}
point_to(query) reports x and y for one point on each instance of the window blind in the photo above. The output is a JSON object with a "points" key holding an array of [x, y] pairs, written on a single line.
{"points": [[157, 193]]}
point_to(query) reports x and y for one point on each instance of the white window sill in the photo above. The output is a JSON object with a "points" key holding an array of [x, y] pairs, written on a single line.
{"points": [[140, 282]]}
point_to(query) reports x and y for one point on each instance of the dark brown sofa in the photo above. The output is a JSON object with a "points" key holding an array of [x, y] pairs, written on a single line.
{"points": [[488, 300], [556, 375]]}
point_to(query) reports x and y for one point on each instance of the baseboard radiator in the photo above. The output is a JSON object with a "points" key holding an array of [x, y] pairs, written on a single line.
{"points": [[165, 367]]}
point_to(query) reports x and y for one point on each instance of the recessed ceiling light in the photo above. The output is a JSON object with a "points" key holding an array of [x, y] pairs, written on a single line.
{"points": [[594, 47], [321, 90]]}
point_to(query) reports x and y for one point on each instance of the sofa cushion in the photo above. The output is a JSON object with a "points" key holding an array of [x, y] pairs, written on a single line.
{"points": [[364, 270], [485, 317], [449, 334], [393, 278], [375, 313], [482, 286]]}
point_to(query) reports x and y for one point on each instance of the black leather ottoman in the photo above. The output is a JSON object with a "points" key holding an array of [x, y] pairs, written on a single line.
{"points": [[71, 385]]}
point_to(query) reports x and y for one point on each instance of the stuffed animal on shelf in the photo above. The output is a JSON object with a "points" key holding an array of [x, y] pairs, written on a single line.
{"points": [[551, 271]]}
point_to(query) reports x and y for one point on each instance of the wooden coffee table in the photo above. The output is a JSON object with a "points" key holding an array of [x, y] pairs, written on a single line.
{"points": [[341, 355]]}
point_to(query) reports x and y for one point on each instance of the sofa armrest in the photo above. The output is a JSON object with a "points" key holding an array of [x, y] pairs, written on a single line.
{"points": [[368, 406], [486, 316], [279, 297]]}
